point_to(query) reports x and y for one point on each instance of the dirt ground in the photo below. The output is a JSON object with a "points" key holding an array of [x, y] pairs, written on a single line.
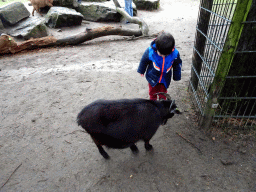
{"points": [[42, 91]]}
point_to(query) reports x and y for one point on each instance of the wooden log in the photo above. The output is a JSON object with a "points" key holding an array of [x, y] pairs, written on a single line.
{"points": [[143, 25], [97, 32], [7, 44], [10, 46]]}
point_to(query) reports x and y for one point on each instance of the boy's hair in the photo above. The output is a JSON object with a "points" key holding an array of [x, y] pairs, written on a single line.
{"points": [[165, 43]]}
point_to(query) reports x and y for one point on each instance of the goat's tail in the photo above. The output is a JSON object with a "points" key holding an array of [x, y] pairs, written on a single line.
{"points": [[78, 119]]}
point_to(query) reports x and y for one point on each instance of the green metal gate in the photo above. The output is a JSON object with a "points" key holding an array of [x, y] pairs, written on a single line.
{"points": [[223, 72]]}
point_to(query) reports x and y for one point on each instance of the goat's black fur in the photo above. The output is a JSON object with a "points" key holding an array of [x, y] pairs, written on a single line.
{"points": [[121, 123]]}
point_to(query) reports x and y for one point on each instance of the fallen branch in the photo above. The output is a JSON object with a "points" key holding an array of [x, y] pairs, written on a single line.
{"points": [[193, 145], [10, 46], [143, 25], [98, 32], [153, 36], [11, 176], [68, 142], [73, 132]]}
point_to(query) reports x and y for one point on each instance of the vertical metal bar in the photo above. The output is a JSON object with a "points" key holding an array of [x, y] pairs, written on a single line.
{"points": [[210, 50], [203, 22], [234, 33]]}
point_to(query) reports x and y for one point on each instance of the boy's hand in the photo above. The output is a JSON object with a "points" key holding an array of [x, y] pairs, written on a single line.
{"points": [[142, 75]]}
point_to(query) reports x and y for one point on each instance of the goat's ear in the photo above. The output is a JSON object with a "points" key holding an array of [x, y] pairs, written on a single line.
{"points": [[177, 111]]}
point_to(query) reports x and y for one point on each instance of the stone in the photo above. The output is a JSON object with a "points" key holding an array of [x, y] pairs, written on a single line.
{"points": [[63, 17], [33, 27], [12, 13], [72, 3], [227, 162], [64, 3], [2, 29], [99, 12], [95, 0], [147, 4]]}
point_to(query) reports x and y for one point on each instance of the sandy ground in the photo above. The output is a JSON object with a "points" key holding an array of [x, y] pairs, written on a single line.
{"points": [[43, 149]]}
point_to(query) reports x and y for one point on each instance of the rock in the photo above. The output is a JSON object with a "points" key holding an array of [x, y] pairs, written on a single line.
{"points": [[32, 27], [63, 17], [242, 151], [101, 11], [227, 162], [147, 4], [95, 0], [44, 10], [12, 13], [64, 3], [2, 29], [73, 3]]}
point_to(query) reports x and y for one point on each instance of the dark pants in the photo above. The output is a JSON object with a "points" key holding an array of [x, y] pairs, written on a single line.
{"points": [[158, 88]]}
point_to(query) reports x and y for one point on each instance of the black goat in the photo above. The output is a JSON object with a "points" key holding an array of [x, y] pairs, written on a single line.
{"points": [[121, 123]]}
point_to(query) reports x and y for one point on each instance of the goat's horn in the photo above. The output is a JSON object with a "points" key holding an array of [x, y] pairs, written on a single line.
{"points": [[165, 94]]}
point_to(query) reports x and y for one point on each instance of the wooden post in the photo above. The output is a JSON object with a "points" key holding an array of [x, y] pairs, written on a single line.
{"points": [[226, 58], [200, 40]]}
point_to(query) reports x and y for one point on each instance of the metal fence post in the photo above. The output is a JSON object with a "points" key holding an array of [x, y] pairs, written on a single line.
{"points": [[234, 33]]}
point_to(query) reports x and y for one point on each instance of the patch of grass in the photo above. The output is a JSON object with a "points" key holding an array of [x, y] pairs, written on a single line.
{"points": [[5, 2], [232, 130]]}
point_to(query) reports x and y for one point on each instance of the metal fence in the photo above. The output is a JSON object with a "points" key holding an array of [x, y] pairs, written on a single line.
{"points": [[223, 72]]}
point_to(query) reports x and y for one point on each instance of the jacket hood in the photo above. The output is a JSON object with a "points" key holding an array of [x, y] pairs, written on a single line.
{"points": [[153, 45]]}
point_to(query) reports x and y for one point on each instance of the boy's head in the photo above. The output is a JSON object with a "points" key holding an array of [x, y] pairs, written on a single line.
{"points": [[165, 43]]}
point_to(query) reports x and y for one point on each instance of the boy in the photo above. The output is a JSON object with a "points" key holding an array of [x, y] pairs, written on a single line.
{"points": [[157, 62]]}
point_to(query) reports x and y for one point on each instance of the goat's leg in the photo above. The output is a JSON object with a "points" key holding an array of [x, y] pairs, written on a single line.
{"points": [[148, 147], [49, 4], [103, 152], [37, 9], [134, 148], [100, 148], [33, 11]]}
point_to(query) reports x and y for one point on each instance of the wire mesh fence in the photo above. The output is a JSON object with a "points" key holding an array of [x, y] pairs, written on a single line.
{"points": [[237, 107], [236, 102]]}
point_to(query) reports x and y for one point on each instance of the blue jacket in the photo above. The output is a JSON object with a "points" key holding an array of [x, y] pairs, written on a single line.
{"points": [[159, 69]]}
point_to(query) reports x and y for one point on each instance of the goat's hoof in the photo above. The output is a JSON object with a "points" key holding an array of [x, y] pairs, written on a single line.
{"points": [[106, 156], [148, 147], [134, 149]]}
